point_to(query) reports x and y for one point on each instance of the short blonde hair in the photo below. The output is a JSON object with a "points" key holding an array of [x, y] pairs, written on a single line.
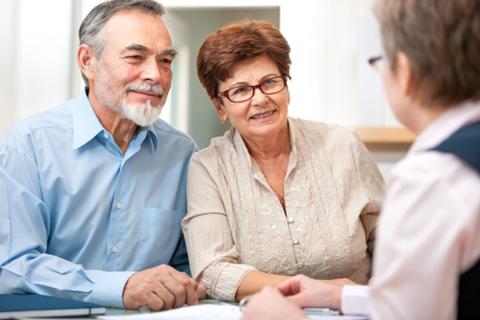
{"points": [[441, 38]]}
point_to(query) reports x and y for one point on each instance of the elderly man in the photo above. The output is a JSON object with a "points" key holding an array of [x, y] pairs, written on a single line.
{"points": [[93, 191]]}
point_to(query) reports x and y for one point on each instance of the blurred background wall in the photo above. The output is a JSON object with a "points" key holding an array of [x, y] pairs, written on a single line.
{"points": [[330, 41]]}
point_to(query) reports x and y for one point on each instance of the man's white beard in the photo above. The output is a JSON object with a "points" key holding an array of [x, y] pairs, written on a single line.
{"points": [[141, 114]]}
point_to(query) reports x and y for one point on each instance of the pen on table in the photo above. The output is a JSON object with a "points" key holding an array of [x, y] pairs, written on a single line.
{"points": [[244, 301], [144, 309], [309, 311]]}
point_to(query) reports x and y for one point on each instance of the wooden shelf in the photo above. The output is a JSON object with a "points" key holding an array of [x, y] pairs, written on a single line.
{"points": [[386, 138]]}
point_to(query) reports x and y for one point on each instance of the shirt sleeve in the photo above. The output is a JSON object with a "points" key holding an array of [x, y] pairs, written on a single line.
{"points": [[212, 252], [373, 186], [355, 300], [180, 259], [25, 263], [424, 238]]}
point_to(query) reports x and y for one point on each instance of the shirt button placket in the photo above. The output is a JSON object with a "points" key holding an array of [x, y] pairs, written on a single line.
{"points": [[114, 249]]}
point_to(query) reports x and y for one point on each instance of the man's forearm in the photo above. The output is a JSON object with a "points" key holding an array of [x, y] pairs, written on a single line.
{"points": [[50, 275]]}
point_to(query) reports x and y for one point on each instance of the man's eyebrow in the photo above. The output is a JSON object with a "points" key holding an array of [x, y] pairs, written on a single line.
{"points": [[135, 47], [169, 52], [139, 47]]}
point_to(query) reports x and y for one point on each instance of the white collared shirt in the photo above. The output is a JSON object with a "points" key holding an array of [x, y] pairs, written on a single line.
{"points": [[428, 231]]}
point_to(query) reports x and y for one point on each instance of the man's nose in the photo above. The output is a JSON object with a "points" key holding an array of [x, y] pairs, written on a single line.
{"points": [[151, 71]]}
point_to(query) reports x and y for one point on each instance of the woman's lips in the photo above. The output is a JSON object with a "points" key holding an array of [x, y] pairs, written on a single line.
{"points": [[262, 115]]}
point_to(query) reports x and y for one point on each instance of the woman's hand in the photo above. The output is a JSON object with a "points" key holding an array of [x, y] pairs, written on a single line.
{"points": [[339, 282], [307, 292], [301, 292], [270, 304]]}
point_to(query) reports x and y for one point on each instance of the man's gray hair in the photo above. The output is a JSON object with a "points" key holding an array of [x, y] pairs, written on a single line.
{"points": [[92, 25]]}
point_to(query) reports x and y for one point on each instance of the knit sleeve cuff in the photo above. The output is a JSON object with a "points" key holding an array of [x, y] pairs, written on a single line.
{"points": [[222, 280]]}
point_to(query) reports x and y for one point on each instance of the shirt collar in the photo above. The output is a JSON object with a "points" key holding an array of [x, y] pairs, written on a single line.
{"points": [[443, 127], [293, 137], [150, 132], [292, 162], [86, 125]]}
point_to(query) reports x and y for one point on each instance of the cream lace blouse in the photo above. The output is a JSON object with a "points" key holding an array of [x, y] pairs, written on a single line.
{"points": [[235, 223]]}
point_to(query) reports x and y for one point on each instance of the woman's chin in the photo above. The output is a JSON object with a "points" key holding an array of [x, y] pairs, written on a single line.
{"points": [[265, 129]]}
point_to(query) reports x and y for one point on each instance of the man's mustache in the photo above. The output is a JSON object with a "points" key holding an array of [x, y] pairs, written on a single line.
{"points": [[147, 88]]}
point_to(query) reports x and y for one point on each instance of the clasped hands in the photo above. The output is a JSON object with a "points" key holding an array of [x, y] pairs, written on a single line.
{"points": [[161, 288], [287, 300]]}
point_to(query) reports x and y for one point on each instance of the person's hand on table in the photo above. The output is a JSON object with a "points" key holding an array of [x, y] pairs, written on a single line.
{"points": [[307, 292], [270, 304], [161, 288]]}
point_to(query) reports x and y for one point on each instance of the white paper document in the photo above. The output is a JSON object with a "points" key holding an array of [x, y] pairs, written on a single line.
{"points": [[197, 312], [217, 312]]}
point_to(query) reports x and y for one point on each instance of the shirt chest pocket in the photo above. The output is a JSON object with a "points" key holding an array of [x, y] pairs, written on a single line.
{"points": [[159, 232]]}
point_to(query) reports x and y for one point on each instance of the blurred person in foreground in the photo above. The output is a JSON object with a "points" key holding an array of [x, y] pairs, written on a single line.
{"points": [[427, 256], [275, 196]]}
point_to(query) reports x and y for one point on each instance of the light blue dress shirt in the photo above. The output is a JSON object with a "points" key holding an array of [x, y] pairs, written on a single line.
{"points": [[77, 216]]}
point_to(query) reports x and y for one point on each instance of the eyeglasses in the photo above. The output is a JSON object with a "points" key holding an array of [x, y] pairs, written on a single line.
{"points": [[376, 62], [245, 92]]}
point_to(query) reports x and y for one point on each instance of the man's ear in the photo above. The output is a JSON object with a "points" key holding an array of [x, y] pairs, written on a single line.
{"points": [[217, 103], [404, 74], [87, 61]]}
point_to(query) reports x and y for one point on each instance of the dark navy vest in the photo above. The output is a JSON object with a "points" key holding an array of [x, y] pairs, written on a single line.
{"points": [[465, 145]]}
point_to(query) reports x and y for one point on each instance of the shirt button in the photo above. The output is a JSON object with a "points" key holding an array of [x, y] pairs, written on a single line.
{"points": [[105, 135], [296, 242], [290, 220], [114, 249], [119, 205]]}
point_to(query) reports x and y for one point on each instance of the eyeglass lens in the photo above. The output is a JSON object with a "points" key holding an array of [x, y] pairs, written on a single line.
{"points": [[245, 92]]}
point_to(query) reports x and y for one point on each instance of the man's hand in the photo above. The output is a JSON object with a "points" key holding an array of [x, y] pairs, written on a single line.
{"points": [[307, 292], [270, 304], [161, 288]]}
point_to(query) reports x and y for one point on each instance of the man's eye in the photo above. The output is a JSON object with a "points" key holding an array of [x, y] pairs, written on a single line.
{"points": [[166, 61], [135, 57]]}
